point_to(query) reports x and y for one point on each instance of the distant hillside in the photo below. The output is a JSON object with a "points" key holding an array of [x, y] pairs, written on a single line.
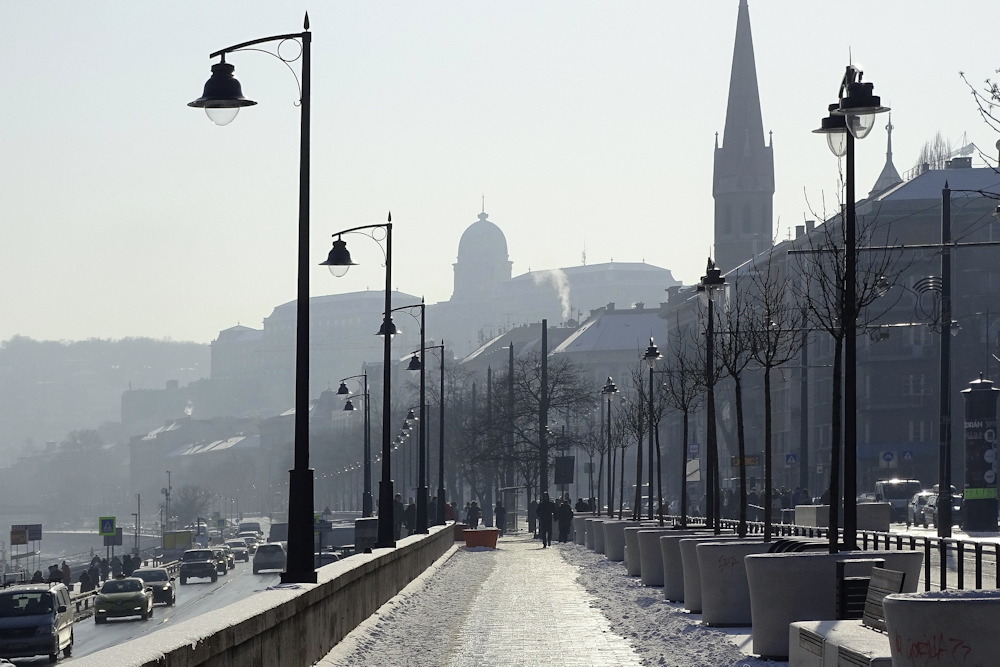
{"points": [[49, 388]]}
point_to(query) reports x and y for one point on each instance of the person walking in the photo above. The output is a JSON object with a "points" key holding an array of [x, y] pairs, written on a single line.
{"points": [[411, 517], [545, 511], [564, 515], [533, 517], [473, 514], [500, 517], [398, 515], [67, 574]]}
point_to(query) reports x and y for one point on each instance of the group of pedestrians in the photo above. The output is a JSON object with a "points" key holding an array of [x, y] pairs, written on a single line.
{"points": [[544, 513]]}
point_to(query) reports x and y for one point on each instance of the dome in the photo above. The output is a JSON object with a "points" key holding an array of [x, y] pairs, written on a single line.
{"points": [[483, 241]]}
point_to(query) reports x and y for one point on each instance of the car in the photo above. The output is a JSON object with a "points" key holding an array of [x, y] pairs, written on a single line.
{"points": [[897, 492], [932, 509], [915, 509], [230, 556], [161, 582], [123, 597], [321, 558], [198, 563], [221, 561], [252, 540], [239, 549], [270, 556], [36, 619]]}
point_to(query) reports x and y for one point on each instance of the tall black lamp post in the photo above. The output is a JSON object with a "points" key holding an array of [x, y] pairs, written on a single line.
{"points": [[851, 117], [222, 99], [417, 365], [439, 508], [608, 392], [711, 281], [339, 261], [650, 357], [366, 496]]}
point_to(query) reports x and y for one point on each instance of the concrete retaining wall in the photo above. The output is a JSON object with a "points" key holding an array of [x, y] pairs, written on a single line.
{"points": [[286, 625]]}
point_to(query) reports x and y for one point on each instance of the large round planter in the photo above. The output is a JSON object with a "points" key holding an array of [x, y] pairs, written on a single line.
{"points": [[650, 556], [580, 529], [481, 537], [614, 539], [944, 628], [725, 594], [802, 586], [633, 563], [692, 570], [673, 568], [598, 530]]}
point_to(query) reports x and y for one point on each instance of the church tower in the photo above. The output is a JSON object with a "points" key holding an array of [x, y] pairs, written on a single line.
{"points": [[743, 184]]}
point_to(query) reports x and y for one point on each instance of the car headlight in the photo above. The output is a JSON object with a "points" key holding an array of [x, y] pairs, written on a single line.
{"points": [[45, 630]]}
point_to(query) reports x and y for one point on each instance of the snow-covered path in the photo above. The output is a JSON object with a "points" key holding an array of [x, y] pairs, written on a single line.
{"points": [[524, 605]]}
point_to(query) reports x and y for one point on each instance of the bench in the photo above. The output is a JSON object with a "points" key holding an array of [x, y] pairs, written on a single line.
{"points": [[850, 642], [791, 544]]}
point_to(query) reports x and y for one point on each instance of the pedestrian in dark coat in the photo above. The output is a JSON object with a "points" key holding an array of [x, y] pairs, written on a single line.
{"points": [[473, 515], [533, 517], [564, 514], [411, 517], [500, 517], [398, 515], [105, 569], [545, 511], [86, 585]]}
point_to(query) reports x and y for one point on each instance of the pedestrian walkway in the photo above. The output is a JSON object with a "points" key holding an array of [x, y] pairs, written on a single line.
{"points": [[516, 605]]}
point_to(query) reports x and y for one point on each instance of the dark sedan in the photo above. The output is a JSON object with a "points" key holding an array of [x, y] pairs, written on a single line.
{"points": [[161, 582]]}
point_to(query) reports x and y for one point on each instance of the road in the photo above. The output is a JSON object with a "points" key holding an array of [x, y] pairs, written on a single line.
{"points": [[197, 597]]}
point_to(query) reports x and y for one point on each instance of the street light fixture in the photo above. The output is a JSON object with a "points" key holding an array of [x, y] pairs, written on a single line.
{"points": [[339, 261], [416, 365], [366, 497], [608, 392], [650, 357], [857, 106], [711, 281], [222, 99]]}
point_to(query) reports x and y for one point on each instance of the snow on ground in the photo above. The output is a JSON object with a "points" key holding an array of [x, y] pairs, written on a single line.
{"points": [[423, 625], [663, 633]]}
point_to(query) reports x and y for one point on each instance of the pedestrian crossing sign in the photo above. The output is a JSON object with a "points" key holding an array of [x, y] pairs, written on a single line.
{"points": [[107, 525]]}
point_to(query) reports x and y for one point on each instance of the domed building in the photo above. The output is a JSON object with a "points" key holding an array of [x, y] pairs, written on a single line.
{"points": [[483, 262]]}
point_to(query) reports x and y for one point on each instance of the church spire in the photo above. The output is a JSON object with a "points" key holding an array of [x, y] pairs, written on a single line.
{"points": [[889, 176], [743, 184]]}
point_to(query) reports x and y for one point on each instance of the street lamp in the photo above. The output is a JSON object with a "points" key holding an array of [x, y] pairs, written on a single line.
{"points": [[416, 365], [711, 281], [366, 496], [650, 357], [222, 99], [852, 117], [339, 261], [608, 392], [439, 508]]}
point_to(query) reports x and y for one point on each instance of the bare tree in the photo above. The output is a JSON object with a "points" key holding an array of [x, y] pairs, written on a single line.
{"points": [[684, 392], [774, 327]]}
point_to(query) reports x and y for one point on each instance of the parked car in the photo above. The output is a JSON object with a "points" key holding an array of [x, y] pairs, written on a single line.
{"points": [[119, 598], [161, 582], [198, 563], [932, 509], [270, 556], [915, 509], [36, 619], [239, 549]]}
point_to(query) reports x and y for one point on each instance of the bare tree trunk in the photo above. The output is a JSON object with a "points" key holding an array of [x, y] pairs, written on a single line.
{"points": [[741, 446]]}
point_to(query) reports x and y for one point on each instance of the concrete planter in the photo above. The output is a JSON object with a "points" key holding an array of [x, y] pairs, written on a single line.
{"points": [[580, 529], [692, 569], [650, 555], [725, 593], [614, 539], [673, 568], [789, 587], [944, 628], [597, 526], [633, 563]]}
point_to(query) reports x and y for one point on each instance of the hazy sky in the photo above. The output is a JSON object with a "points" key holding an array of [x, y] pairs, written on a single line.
{"points": [[587, 126]]}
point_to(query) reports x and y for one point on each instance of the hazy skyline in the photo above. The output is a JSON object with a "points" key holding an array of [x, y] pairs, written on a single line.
{"points": [[587, 126]]}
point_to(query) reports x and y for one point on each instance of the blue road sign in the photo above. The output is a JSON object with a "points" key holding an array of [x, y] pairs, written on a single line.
{"points": [[888, 457], [907, 455], [791, 459], [107, 525]]}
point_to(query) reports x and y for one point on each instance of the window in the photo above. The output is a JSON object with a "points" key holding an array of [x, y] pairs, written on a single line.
{"points": [[914, 384]]}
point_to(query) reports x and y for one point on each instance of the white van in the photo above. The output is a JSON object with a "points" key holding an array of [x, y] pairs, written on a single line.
{"points": [[36, 619]]}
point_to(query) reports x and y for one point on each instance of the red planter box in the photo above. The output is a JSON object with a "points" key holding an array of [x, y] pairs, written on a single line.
{"points": [[485, 537]]}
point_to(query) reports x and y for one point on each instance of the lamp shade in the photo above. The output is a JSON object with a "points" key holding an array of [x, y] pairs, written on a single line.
{"points": [[860, 105], [609, 388], [339, 258], [342, 390], [390, 325], [222, 96], [834, 126], [349, 406], [652, 353], [415, 364]]}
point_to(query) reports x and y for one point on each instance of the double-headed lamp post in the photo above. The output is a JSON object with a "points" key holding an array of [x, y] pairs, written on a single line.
{"points": [[711, 281], [366, 496], [222, 99], [650, 357], [851, 117], [609, 392], [417, 364], [339, 261]]}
